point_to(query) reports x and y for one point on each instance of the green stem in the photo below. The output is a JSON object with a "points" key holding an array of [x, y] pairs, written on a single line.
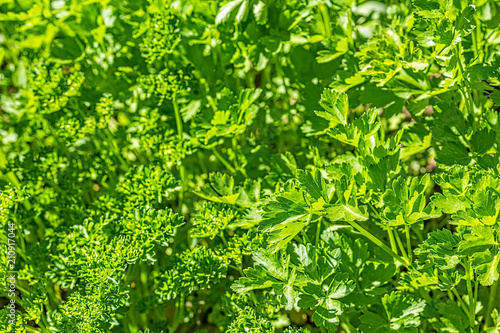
{"points": [[377, 242], [374, 211], [223, 161], [180, 133], [438, 224], [476, 288], [325, 18], [133, 278], [318, 230], [389, 230], [238, 161], [178, 119], [466, 93], [305, 239], [211, 101], [425, 295], [391, 240], [459, 60], [450, 295], [44, 324], [234, 144], [347, 326], [143, 288], [408, 243], [470, 293], [201, 160], [179, 312], [419, 235], [492, 299], [239, 270], [401, 247], [52, 298], [474, 43], [222, 67], [223, 238], [254, 298], [479, 40], [461, 303]]}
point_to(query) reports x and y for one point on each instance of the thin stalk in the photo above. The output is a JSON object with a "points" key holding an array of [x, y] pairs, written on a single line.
{"points": [[20, 237], [254, 298], [476, 288], [237, 161], [437, 224], [178, 120], [479, 40], [211, 101], [374, 211], [223, 161], [179, 312], [22, 290], [223, 68], [474, 43], [298, 239], [239, 270], [391, 240], [234, 145], [180, 132], [389, 230], [492, 299], [450, 296], [132, 277], [325, 18], [305, 239], [471, 296], [377, 242], [281, 74], [466, 93], [112, 142], [44, 324], [142, 288], [53, 300], [348, 327], [250, 79], [461, 303], [318, 230], [401, 247], [408, 243], [201, 159], [131, 321], [425, 295], [419, 235], [223, 238], [459, 60]]}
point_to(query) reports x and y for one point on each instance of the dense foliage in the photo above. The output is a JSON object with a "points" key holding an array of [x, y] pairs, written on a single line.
{"points": [[250, 165]]}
